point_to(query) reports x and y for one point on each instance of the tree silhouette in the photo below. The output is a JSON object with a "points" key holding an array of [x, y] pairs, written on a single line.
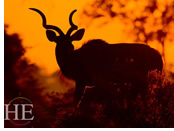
{"points": [[150, 20], [20, 79], [13, 51]]}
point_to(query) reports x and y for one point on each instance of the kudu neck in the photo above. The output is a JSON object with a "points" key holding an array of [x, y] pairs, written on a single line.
{"points": [[63, 54]]}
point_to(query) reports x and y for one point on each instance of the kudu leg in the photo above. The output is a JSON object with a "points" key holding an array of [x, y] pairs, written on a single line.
{"points": [[79, 91]]}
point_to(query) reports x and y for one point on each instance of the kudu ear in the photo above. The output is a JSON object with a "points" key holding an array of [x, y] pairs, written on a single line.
{"points": [[78, 35], [51, 35]]}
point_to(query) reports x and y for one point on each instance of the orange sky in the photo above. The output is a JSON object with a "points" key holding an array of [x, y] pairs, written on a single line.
{"points": [[28, 25]]}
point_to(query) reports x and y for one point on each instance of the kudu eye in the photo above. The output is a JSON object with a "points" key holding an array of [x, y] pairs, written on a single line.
{"points": [[51, 35]]}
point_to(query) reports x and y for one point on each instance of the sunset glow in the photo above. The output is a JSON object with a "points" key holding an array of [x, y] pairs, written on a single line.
{"points": [[40, 51], [122, 78]]}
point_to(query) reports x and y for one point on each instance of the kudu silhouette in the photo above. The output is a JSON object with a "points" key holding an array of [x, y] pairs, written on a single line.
{"points": [[98, 63]]}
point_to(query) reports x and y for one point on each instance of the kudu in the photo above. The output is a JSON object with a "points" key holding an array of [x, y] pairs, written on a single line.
{"points": [[98, 63]]}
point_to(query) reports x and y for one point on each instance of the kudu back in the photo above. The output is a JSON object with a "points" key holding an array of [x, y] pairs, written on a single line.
{"points": [[98, 63]]}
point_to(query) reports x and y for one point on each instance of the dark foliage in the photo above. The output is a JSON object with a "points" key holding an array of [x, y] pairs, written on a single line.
{"points": [[149, 20], [13, 51], [20, 80], [114, 107]]}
